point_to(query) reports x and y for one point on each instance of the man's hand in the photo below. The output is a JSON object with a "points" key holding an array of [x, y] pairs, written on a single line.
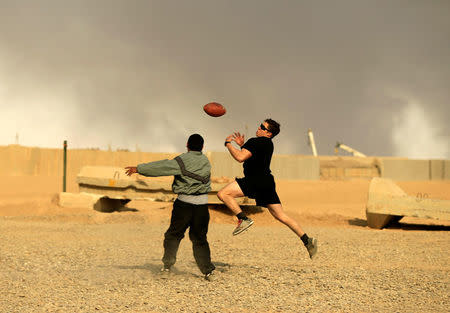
{"points": [[130, 170], [239, 139], [229, 138]]}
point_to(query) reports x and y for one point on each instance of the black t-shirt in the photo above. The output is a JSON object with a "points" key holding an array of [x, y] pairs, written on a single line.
{"points": [[259, 163]]}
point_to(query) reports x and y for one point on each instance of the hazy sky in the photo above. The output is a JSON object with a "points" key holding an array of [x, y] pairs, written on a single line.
{"points": [[374, 75]]}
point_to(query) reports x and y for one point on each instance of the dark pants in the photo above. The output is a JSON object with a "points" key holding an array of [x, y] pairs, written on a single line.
{"points": [[196, 217]]}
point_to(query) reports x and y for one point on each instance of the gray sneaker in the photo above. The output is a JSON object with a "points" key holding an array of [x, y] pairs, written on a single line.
{"points": [[211, 276], [312, 247], [165, 272], [242, 225]]}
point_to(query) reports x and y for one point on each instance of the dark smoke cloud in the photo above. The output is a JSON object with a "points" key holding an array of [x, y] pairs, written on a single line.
{"points": [[371, 74]]}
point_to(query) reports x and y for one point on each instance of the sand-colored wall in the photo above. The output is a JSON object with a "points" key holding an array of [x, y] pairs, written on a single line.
{"points": [[346, 167], [446, 169], [437, 169], [295, 167], [282, 166], [29, 161], [406, 169], [17, 160], [223, 164]]}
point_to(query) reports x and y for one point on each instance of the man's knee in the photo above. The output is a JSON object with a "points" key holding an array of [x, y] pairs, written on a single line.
{"points": [[173, 235], [197, 239], [221, 194], [277, 214]]}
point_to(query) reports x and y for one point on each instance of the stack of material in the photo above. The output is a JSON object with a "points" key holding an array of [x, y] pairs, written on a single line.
{"points": [[349, 167], [107, 188]]}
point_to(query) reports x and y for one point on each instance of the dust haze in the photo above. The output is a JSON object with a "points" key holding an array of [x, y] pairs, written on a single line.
{"points": [[135, 75]]}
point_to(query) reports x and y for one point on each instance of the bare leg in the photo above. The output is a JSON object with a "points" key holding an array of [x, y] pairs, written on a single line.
{"points": [[228, 194], [277, 211]]}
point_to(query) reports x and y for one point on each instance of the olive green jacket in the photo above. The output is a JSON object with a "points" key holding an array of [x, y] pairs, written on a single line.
{"points": [[195, 162]]}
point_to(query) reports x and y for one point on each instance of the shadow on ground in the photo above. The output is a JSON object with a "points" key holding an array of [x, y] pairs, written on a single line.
{"points": [[413, 226], [154, 268], [403, 226], [357, 222]]}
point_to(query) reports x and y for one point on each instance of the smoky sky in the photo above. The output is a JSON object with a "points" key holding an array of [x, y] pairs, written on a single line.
{"points": [[135, 74]]}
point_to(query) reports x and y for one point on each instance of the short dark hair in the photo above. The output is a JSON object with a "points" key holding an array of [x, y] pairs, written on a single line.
{"points": [[195, 142], [274, 127]]}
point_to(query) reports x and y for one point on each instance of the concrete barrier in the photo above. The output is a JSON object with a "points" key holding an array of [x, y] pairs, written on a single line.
{"points": [[223, 165], [295, 167], [405, 169], [113, 183], [388, 202], [437, 169], [282, 166], [18, 160], [447, 169], [347, 167]]}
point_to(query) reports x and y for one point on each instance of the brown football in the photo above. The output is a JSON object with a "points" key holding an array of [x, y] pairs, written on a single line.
{"points": [[214, 109]]}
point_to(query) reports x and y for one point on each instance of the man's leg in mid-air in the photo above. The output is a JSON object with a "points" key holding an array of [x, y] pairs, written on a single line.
{"points": [[228, 194], [310, 243]]}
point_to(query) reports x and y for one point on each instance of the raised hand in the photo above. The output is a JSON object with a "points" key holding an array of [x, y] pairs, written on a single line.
{"points": [[130, 170], [239, 139]]}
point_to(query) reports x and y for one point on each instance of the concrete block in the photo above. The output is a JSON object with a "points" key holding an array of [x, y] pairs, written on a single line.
{"points": [[115, 177], [387, 202], [113, 183], [78, 200], [97, 202]]}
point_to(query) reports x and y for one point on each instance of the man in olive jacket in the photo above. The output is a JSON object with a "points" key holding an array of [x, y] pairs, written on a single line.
{"points": [[191, 171]]}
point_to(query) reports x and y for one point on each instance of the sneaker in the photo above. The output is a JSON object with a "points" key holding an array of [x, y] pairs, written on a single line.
{"points": [[312, 247], [165, 272], [211, 276], [242, 225]]}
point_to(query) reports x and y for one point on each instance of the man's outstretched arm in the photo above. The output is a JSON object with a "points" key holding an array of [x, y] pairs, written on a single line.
{"points": [[238, 155], [153, 169]]}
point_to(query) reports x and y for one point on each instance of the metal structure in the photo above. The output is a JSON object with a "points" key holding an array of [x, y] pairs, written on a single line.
{"points": [[348, 149], [311, 142]]}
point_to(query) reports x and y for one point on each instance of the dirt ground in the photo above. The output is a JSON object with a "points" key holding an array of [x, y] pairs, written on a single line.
{"points": [[56, 259]]}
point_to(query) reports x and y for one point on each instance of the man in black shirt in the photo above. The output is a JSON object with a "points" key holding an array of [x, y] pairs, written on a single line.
{"points": [[258, 183]]}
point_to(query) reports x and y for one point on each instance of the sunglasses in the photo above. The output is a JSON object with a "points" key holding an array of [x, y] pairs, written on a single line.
{"points": [[262, 127]]}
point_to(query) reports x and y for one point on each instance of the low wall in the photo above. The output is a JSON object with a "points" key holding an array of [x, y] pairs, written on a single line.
{"points": [[347, 167], [446, 169], [406, 169], [17, 160], [439, 169], [282, 166], [295, 167], [223, 164]]}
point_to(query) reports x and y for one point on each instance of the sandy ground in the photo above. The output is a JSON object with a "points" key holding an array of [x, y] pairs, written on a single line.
{"points": [[55, 259]]}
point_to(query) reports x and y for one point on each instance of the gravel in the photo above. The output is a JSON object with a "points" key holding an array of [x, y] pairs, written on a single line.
{"points": [[108, 265]]}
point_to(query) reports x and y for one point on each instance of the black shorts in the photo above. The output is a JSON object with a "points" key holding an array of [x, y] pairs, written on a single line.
{"points": [[261, 188]]}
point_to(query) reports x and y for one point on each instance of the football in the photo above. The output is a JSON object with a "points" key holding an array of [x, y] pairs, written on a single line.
{"points": [[214, 109]]}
